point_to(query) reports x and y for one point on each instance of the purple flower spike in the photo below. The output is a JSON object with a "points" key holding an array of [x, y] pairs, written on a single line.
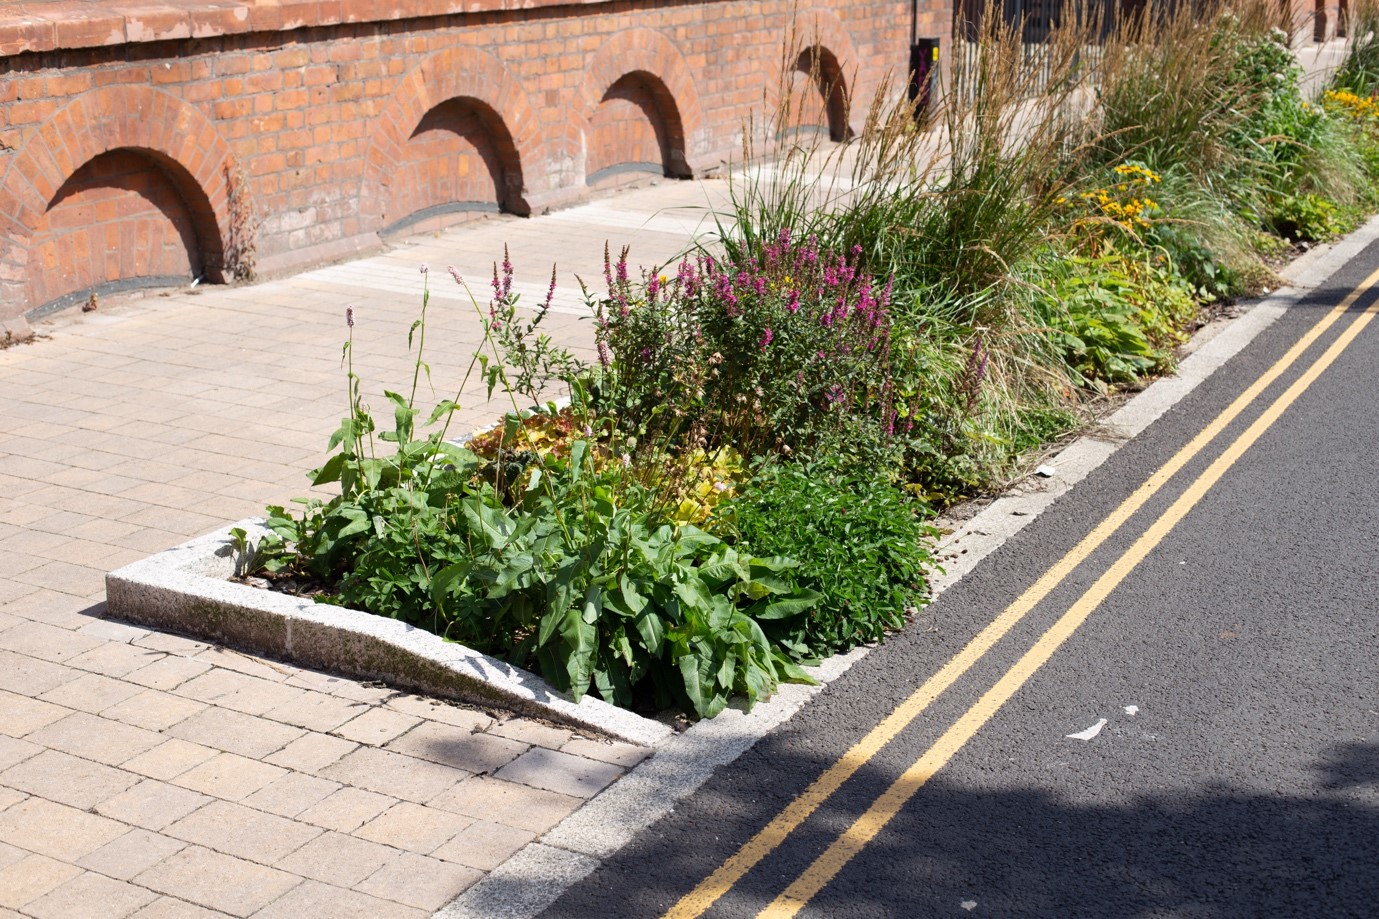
{"points": [[425, 268], [349, 316], [550, 292], [455, 273]]}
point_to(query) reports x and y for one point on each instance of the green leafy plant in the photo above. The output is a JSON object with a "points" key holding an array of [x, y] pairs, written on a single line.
{"points": [[864, 547]]}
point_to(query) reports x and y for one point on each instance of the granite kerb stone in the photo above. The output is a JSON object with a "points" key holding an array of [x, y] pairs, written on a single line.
{"points": [[188, 589]]}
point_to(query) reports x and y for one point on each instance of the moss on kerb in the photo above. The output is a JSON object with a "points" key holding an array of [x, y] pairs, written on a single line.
{"points": [[234, 625]]}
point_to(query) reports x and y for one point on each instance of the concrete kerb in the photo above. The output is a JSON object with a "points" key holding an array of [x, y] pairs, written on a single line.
{"points": [[187, 589], [536, 875]]}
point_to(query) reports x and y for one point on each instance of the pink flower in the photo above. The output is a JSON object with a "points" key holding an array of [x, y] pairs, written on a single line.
{"points": [[766, 338]]}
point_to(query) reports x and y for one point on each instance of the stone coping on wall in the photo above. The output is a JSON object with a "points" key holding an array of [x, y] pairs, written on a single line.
{"points": [[188, 589], [49, 25]]}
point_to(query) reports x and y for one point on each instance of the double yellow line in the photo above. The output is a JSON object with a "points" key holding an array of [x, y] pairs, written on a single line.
{"points": [[865, 828]]}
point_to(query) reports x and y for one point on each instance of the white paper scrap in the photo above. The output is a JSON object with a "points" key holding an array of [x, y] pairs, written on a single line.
{"points": [[968, 905], [1088, 734], [1132, 709]]}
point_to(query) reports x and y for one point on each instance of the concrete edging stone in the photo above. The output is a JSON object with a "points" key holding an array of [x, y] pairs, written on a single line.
{"points": [[187, 589]]}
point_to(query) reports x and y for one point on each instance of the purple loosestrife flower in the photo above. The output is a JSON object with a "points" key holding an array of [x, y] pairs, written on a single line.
{"points": [[792, 302], [973, 374], [425, 268], [550, 292], [349, 316], [766, 338], [455, 274]]}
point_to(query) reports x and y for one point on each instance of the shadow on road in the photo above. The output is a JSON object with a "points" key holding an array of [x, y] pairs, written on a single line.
{"points": [[1215, 851]]}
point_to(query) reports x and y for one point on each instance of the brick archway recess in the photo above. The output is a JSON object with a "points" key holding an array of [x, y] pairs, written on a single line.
{"points": [[456, 73], [175, 134], [823, 30], [649, 52]]}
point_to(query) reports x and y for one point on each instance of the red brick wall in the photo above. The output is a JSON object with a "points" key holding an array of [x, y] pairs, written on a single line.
{"points": [[342, 118]]}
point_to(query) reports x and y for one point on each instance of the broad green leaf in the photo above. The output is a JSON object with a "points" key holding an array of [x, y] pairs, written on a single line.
{"points": [[330, 472], [652, 628], [799, 602]]}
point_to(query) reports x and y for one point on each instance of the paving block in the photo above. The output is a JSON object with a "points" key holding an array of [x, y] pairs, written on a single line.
{"points": [[291, 794], [311, 752], [91, 692], [314, 900], [415, 880], [625, 755], [20, 714], [130, 854], [243, 832], [152, 804], [56, 830], [30, 878], [229, 689], [347, 809], [560, 772], [14, 751], [67, 779], [335, 858], [229, 776], [235, 732], [484, 845], [221, 882], [414, 827], [377, 726], [97, 738], [169, 759], [152, 709], [458, 747], [533, 733], [90, 896], [29, 676], [440, 710], [114, 659], [521, 806], [167, 672], [316, 711], [393, 774], [168, 908]]}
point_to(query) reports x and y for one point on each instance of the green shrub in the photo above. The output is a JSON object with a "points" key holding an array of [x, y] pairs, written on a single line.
{"points": [[863, 546]]}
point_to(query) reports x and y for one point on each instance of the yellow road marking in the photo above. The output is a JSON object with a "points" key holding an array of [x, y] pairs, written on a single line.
{"points": [[766, 840], [865, 828]]}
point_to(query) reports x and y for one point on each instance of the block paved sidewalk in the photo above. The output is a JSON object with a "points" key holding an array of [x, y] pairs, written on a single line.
{"points": [[144, 774]]}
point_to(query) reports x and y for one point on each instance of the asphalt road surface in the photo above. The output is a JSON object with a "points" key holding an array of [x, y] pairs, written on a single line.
{"points": [[1228, 650]]}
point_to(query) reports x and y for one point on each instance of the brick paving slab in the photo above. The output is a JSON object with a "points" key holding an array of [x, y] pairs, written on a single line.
{"points": [[153, 776]]}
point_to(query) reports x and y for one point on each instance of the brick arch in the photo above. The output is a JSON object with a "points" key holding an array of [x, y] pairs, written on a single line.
{"points": [[823, 33], [654, 59], [174, 135], [470, 76]]}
